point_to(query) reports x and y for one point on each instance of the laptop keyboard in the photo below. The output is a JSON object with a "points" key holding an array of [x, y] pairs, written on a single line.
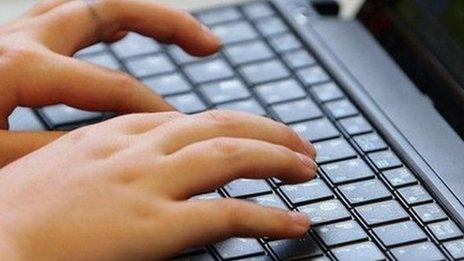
{"points": [[364, 205]]}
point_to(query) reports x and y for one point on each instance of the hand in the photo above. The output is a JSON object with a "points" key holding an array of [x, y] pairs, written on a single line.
{"points": [[36, 70], [118, 189]]}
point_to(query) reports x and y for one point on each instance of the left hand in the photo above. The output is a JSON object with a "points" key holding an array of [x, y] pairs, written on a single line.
{"points": [[36, 68]]}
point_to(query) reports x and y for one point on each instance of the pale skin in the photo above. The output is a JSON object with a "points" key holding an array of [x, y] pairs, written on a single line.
{"points": [[120, 189]]}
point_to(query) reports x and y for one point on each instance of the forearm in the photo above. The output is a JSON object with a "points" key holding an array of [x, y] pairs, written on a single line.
{"points": [[14, 145]]}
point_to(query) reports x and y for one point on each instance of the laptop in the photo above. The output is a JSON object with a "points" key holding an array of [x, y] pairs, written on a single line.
{"points": [[380, 97]]}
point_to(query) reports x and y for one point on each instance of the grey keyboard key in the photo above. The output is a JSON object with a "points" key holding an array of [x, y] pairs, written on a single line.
{"points": [[356, 125], [235, 32], [295, 111], [264, 257], [413, 195], [210, 70], [429, 213], [248, 52], [421, 251], [325, 212], [187, 103], [104, 59], [258, 10], [342, 109], [270, 200], [382, 212], [280, 91], [191, 253], [445, 230], [58, 115], [370, 142], [247, 187], [24, 119], [313, 75], [96, 48], [149, 65], [316, 130], [238, 248], [308, 192], [134, 44], [180, 56], [271, 26], [385, 160], [220, 15], [347, 171], [366, 251], [285, 43], [399, 177], [248, 106], [455, 248], [264, 72], [198, 257], [327, 92], [225, 91], [298, 59], [333, 150], [365, 191], [399, 233], [293, 249], [341, 233], [168, 84]]}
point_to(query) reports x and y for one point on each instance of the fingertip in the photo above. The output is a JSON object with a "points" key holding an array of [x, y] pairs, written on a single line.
{"points": [[207, 43], [211, 38], [309, 164], [299, 223], [309, 148]]}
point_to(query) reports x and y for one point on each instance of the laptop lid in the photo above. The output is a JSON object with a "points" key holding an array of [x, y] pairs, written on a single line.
{"points": [[426, 38]]}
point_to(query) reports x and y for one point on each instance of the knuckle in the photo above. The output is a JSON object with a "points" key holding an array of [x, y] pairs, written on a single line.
{"points": [[125, 85], [222, 119], [284, 151], [218, 116], [225, 148], [79, 135], [14, 57], [124, 80], [173, 115], [235, 213]]}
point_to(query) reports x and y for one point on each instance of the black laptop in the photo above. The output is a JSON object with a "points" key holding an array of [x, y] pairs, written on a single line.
{"points": [[381, 98]]}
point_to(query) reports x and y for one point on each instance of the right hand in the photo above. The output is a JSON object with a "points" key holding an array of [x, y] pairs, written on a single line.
{"points": [[120, 189]]}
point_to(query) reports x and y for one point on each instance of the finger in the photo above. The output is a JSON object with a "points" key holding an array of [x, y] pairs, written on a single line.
{"points": [[211, 221], [83, 86], [210, 164], [213, 124], [134, 124], [116, 37], [78, 25], [14, 145], [44, 6]]}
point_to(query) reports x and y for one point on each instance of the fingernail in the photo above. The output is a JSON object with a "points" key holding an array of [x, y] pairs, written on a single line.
{"points": [[309, 163], [209, 34], [299, 219]]}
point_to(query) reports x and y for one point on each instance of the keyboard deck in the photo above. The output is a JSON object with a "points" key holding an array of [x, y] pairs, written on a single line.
{"points": [[364, 205]]}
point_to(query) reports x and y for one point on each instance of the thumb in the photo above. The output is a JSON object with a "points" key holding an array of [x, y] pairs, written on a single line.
{"points": [[14, 145]]}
